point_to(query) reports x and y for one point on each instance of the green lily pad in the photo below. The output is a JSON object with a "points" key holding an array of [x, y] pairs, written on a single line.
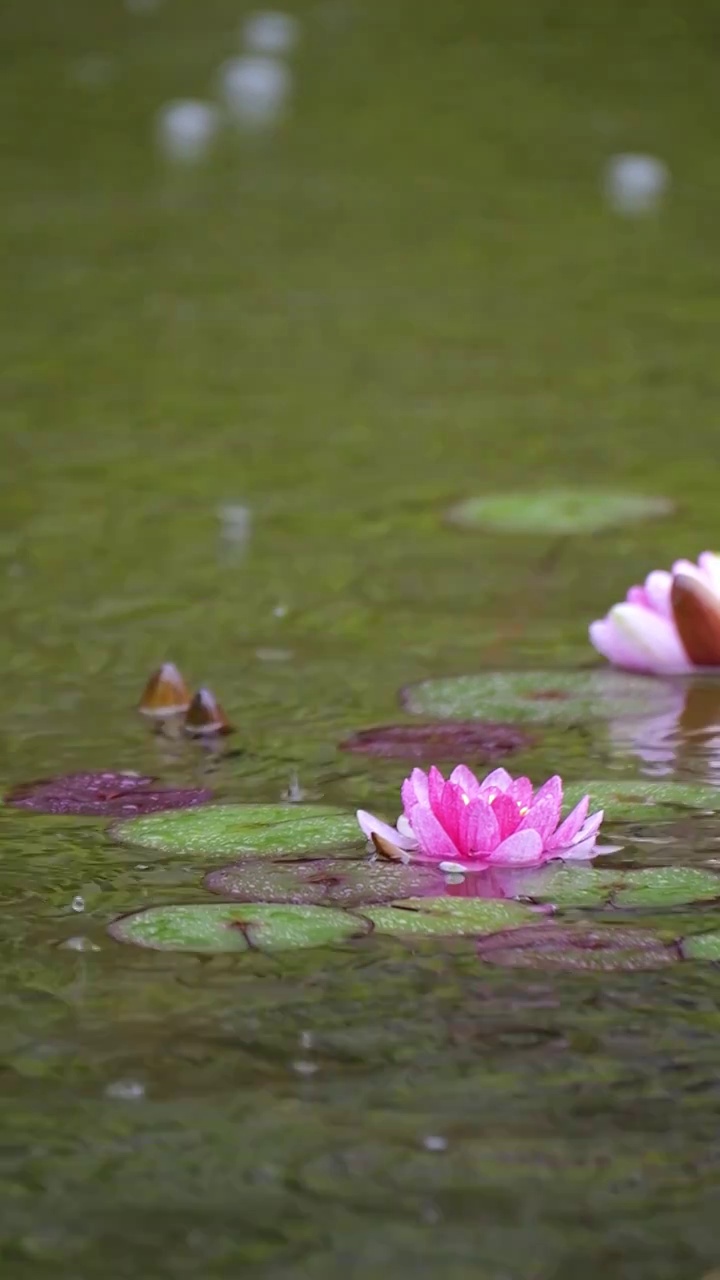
{"points": [[641, 800], [447, 917], [231, 830], [557, 511], [701, 946], [214, 927], [540, 697], [324, 881], [584, 886], [579, 947]]}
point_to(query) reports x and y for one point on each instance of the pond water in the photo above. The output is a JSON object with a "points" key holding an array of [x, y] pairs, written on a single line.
{"points": [[409, 294]]}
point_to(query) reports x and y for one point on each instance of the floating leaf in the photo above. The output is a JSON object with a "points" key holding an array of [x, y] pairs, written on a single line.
{"points": [[100, 795], [324, 881], [701, 946], [642, 800], [229, 830], [557, 511], [474, 740], [215, 927], [582, 947], [447, 917], [583, 886], [540, 697]]}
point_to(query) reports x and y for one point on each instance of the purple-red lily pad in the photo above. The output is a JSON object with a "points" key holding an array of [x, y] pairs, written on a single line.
{"points": [[578, 947], [215, 927], [484, 740], [103, 795], [324, 881]]}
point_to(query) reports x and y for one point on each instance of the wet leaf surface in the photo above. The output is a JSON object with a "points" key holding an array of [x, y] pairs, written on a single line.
{"points": [[474, 740], [324, 881], [581, 947], [642, 800], [447, 916], [598, 887], [212, 928], [557, 511], [540, 697], [103, 795], [229, 830]]}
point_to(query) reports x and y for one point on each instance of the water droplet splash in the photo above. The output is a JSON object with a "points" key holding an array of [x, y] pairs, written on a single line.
{"points": [[78, 903], [255, 90], [635, 184], [126, 1090], [270, 31], [186, 129]]}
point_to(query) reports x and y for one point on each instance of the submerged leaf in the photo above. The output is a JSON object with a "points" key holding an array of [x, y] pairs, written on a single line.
{"points": [[557, 511], [229, 830], [100, 795], [324, 881], [701, 946], [540, 697], [216, 927], [580, 947], [641, 800], [447, 917], [474, 740]]}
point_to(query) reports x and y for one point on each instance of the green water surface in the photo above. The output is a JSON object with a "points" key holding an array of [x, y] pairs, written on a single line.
{"points": [[411, 293]]}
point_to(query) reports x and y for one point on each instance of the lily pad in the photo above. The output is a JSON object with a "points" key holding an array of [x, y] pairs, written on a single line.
{"points": [[584, 886], [229, 830], [701, 946], [473, 740], [214, 927], [103, 795], [540, 697], [324, 881], [447, 917], [581, 947], [557, 511], [641, 800]]}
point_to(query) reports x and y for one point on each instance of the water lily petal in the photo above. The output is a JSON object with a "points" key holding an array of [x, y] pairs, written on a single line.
{"points": [[479, 829], [657, 590], [542, 816], [436, 786], [522, 849], [404, 827], [507, 813], [465, 778], [710, 564], [431, 836], [499, 778], [415, 789], [370, 825], [569, 829], [606, 637], [653, 638], [696, 610], [521, 791], [451, 809]]}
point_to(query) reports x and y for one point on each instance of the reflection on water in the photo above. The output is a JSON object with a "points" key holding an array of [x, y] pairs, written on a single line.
{"points": [[682, 739]]}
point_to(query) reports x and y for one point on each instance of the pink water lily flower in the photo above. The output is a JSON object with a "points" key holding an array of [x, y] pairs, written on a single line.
{"points": [[472, 826], [670, 625]]}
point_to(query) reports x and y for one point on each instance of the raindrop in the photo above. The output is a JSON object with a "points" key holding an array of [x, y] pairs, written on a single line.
{"points": [[270, 32], [126, 1090], [635, 184], [295, 793], [307, 1039], [79, 943], [235, 523], [78, 903], [186, 128], [255, 89], [434, 1142], [304, 1068], [280, 611]]}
